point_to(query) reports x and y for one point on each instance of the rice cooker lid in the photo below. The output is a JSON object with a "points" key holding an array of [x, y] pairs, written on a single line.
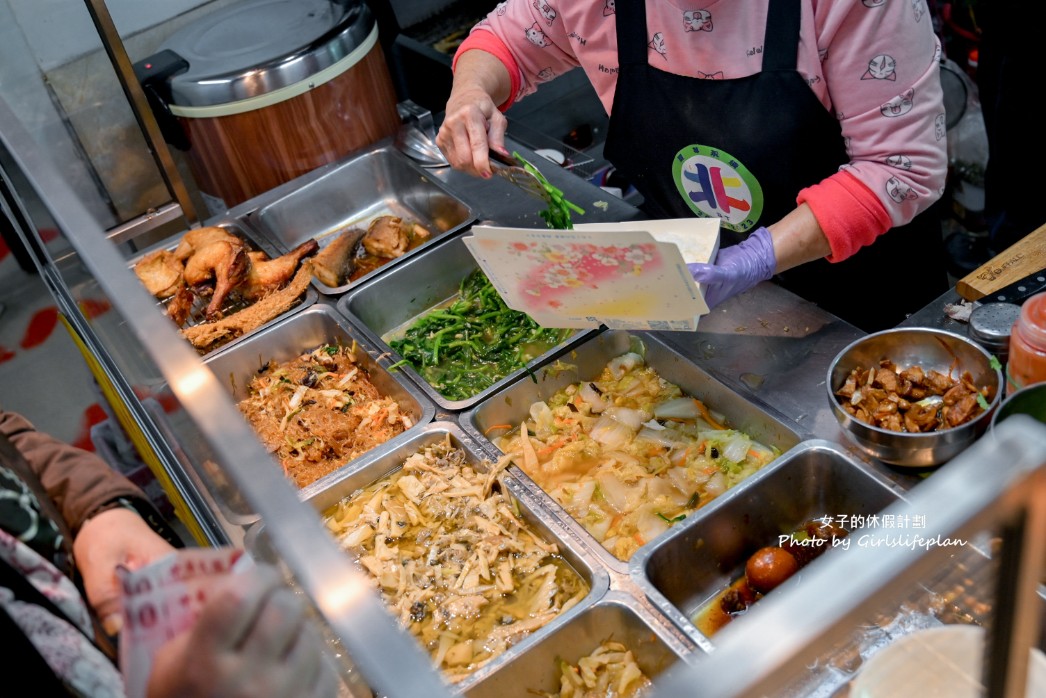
{"points": [[256, 47]]}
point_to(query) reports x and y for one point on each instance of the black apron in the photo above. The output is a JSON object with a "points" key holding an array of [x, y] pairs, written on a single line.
{"points": [[742, 150]]}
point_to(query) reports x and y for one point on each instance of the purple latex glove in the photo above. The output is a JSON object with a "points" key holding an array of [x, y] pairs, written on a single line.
{"points": [[737, 268]]}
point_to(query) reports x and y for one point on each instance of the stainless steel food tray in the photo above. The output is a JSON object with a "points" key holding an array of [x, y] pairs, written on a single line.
{"points": [[586, 360], [379, 182], [699, 558], [389, 458], [255, 242], [615, 617], [418, 285], [284, 340], [940, 554]]}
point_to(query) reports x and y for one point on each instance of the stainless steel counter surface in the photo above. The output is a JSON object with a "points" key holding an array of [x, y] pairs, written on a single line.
{"points": [[770, 345], [933, 315]]}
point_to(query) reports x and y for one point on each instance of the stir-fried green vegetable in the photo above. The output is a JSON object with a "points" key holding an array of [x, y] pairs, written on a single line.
{"points": [[557, 215], [474, 342]]}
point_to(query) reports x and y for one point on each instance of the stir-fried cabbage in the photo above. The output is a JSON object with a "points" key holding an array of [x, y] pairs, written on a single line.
{"points": [[629, 454]]}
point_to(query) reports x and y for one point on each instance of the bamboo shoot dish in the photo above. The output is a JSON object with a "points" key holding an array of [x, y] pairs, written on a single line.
{"points": [[320, 410], [451, 554], [610, 671], [468, 345], [628, 454]]}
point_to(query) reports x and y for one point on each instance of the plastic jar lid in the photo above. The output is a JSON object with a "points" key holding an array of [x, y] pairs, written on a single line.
{"points": [[1033, 321]]}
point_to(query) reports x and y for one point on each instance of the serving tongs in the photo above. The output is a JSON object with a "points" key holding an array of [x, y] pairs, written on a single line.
{"points": [[510, 168]]}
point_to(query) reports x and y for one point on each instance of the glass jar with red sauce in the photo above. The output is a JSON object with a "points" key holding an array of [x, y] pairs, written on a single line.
{"points": [[1027, 361]]}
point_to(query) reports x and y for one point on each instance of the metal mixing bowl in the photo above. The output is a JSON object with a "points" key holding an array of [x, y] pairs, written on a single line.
{"points": [[946, 352]]}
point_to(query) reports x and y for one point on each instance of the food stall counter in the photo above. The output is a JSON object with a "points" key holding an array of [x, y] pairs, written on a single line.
{"points": [[763, 357]]}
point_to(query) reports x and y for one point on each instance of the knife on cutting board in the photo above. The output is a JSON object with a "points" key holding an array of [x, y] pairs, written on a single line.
{"points": [[1011, 268], [1018, 291]]}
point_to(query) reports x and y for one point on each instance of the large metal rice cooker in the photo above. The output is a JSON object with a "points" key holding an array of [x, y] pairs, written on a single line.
{"points": [[262, 91]]}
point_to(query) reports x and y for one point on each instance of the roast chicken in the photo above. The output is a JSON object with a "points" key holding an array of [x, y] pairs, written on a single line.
{"points": [[198, 238], [214, 264], [265, 276], [215, 269], [161, 273]]}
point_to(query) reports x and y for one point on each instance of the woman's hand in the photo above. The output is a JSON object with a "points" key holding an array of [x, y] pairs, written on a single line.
{"points": [[472, 124], [737, 268], [115, 537], [250, 641], [795, 239]]}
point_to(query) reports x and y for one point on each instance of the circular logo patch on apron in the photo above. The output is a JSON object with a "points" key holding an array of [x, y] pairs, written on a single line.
{"points": [[714, 184]]}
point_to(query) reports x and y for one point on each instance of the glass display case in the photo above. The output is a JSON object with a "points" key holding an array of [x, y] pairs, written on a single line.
{"points": [[813, 636], [218, 474]]}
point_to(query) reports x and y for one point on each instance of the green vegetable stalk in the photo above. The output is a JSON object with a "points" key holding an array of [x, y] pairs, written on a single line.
{"points": [[464, 348], [557, 215]]}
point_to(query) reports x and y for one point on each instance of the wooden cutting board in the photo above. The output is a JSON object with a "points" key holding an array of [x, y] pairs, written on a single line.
{"points": [[1025, 257]]}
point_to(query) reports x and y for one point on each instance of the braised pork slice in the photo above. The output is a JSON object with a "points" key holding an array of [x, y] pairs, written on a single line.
{"points": [[391, 236], [335, 262]]}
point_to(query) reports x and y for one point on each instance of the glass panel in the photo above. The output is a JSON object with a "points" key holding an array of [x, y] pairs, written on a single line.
{"points": [[953, 568], [201, 441]]}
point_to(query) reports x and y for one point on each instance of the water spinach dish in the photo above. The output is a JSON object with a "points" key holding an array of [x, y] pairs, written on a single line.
{"points": [[454, 558], [628, 454], [468, 345]]}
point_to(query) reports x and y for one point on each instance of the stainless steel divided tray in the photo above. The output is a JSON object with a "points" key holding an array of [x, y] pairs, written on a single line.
{"points": [[691, 565], [616, 617], [379, 182], [377, 465], [511, 405], [415, 287], [305, 331], [196, 314]]}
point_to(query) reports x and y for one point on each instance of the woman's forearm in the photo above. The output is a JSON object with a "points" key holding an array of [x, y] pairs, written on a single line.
{"points": [[480, 70], [798, 239]]}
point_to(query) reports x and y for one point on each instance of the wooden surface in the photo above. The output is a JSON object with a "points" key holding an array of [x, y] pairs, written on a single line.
{"points": [[239, 156], [1025, 257]]}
